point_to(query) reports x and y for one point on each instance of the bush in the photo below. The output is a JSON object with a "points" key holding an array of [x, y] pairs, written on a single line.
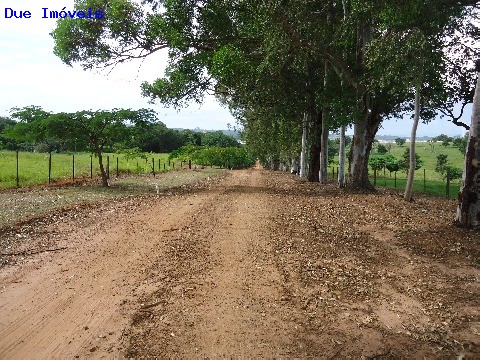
{"points": [[391, 163], [229, 157], [382, 149]]}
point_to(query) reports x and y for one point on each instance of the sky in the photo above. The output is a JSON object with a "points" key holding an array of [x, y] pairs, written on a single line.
{"points": [[30, 74]]}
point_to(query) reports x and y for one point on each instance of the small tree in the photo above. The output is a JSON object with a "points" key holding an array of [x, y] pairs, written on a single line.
{"points": [[400, 141], [446, 142], [382, 149], [444, 168], [461, 144], [376, 162], [442, 161], [391, 163], [404, 162]]}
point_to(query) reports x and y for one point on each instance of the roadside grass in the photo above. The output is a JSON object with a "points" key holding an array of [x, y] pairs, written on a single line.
{"points": [[33, 167], [22, 204]]}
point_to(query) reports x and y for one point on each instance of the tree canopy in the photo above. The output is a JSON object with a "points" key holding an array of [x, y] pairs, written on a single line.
{"points": [[275, 63]]}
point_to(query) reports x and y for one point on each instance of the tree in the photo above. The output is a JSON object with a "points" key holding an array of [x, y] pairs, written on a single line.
{"points": [[30, 126], [91, 130], [461, 144], [266, 57], [400, 141], [442, 163], [412, 156], [218, 139], [5, 142], [404, 163], [446, 142], [391, 163], [381, 149], [468, 210]]}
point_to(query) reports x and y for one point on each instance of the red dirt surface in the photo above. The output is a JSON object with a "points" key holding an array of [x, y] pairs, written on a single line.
{"points": [[258, 264]]}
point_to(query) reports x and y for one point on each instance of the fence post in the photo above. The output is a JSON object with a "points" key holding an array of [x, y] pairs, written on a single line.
{"points": [[73, 167], [169, 163], [190, 164], [91, 166], [18, 178], [395, 179], [448, 183], [49, 167], [173, 165], [108, 166], [153, 167], [424, 180], [159, 165]]}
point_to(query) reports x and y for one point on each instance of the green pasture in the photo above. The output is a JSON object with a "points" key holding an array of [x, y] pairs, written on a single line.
{"points": [[33, 167], [426, 179]]}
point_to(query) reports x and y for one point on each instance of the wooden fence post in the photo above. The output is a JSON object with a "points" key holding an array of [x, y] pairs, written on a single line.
{"points": [[49, 167], [153, 167], [117, 166], [108, 166], [424, 180], [395, 179], [18, 177], [91, 166], [190, 164], [73, 167], [448, 183]]}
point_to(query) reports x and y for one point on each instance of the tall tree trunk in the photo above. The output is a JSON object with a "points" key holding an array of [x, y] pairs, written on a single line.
{"points": [[303, 155], [366, 127], [413, 138], [314, 157], [324, 154], [468, 211], [364, 135], [341, 159]]}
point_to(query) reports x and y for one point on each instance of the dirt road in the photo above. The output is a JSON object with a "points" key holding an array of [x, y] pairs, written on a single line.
{"points": [[256, 265]]}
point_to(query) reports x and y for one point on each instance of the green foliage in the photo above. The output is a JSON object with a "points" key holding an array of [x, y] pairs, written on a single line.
{"points": [[377, 162], [6, 142], [445, 169], [453, 173], [218, 139], [404, 163], [400, 141], [381, 149], [442, 161], [229, 157], [461, 144], [391, 163]]}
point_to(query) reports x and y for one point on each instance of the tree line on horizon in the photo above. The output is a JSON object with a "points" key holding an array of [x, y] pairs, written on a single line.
{"points": [[33, 129]]}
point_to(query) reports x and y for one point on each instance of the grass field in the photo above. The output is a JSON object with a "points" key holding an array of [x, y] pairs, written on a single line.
{"points": [[33, 167], [434, 183]]}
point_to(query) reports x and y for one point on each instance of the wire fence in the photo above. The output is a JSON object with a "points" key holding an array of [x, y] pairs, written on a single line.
{"points": [[21, 168]]}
